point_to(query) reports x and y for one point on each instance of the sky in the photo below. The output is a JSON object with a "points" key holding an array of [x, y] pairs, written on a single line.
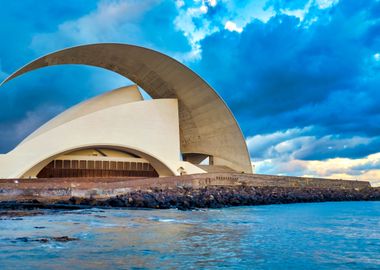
{"points": [[301, 77]]}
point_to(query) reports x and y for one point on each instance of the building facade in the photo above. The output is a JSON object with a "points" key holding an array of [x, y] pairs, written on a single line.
{"points": [[186, 128]]}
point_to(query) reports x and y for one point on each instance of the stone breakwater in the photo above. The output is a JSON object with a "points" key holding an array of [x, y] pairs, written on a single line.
{"points": [[187, 198], [64, 188]]}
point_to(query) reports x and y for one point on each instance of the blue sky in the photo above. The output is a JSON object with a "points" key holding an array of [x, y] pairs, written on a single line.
{"points": [[301, 76]]}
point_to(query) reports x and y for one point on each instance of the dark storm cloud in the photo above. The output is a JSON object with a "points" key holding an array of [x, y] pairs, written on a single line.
{"points": [[289, 73], [20, 20], [279, 67]]}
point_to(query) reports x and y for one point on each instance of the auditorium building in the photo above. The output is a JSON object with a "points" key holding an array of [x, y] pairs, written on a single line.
{"points": [[186, 128]]}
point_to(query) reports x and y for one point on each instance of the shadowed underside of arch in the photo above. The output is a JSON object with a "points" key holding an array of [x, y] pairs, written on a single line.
{"points": [[206, 123], [157, 164]]}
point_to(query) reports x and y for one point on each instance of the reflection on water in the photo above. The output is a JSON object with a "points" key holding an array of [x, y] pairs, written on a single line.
{"points": [[299, 236]]}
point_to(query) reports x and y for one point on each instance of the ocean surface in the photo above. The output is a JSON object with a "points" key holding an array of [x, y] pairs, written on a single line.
{"points": [[342, 235]]}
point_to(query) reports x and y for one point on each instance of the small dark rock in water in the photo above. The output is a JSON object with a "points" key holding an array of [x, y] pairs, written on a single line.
{"points": [[42, 240], [22, 239], [99, 216], [64, 239], [45, 240]]}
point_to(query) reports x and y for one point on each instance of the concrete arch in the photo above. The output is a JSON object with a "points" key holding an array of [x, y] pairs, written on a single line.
{"points": [[160, 166], [206, 123], [121, 126]]}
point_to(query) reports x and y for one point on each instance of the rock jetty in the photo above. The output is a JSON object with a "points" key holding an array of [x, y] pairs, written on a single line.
{"points": [[187, 198]]}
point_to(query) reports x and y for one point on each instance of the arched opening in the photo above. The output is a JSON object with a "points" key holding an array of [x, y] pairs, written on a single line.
{"points": [[99, 161]]}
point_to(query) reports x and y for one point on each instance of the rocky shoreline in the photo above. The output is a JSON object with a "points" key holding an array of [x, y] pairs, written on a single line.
{"points": [[187, 198]]}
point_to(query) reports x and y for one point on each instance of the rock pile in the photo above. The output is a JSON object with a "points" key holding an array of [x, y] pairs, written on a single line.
{"points": [[186, 198]]}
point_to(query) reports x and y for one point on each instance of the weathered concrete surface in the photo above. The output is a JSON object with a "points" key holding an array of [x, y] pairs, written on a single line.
{"points": [[108, 187]]}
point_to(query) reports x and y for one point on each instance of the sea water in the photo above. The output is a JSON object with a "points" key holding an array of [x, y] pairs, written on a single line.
{"points": [[341, 235]]}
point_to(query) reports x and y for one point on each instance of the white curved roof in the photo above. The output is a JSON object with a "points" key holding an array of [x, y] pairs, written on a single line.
{"points": [[207, 126], [109, 99], [123, 127]]}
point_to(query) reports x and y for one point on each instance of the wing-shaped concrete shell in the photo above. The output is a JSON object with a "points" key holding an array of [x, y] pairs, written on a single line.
{"points": [[112, 98], [130, 130], [207, 126]]}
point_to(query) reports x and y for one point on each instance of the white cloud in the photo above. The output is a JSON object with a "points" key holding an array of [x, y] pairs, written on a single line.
{"points": [[243, 12], [323, 4], [345, 168], [179, 3], [271, 145], [112, 21], [232, 27], [124, 21], [121, 21], [302, 13], [185, 22], [196, 23], [280, 153], [298, 13], [212, 3], [203, 9], [335, 168], [300, 144]]}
